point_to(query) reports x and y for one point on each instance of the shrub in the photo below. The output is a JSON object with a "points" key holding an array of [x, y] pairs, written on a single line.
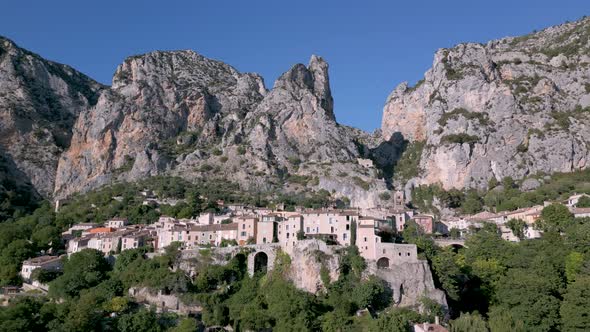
{"points": [[205, 168], [522, 148], [294, 160], [408, 165], [361, 183], [217, 152], [457, 112], [384, 196], [459, 139]]}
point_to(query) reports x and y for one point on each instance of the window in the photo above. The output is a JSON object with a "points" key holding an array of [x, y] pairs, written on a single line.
{"points": [[307, 230], [344, 236], [287, 235], [400, 253], [408, 254], [332, 229], [347, 227], [243, 226], [384, 251], [243, 234], [365, 239]]}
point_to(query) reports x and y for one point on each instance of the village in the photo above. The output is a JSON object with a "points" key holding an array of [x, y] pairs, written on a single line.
{"points": [[240, 225]]}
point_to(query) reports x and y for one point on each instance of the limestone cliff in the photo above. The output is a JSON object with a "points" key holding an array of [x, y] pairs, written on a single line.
{"points": [[410, 282], [183, 114], [39, 102], [309, 259], [511, 107]]}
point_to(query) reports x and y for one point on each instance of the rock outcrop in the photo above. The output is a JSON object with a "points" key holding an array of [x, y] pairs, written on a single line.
{"points": [[183, 114], [40, 101], [410, 283], [512, 107], [309, 259]]}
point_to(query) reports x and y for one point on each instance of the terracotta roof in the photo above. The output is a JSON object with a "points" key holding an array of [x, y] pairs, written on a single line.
{"points": [[485, 215], [580, 210], [101, 230]]}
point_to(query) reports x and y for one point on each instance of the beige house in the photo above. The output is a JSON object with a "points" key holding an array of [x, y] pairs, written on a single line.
{"points": [[366, 240], [117, 223], [246, 229], [134, 240], [384, 254], [335, 224], [580, 212]]}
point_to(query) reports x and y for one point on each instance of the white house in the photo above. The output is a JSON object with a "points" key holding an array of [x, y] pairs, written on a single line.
{"points": [[49, 263]]}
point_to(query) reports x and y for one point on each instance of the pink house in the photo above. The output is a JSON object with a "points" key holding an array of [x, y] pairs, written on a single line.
{"points": [[266, 232], [246, 229], [425, 221], [288, 229]]}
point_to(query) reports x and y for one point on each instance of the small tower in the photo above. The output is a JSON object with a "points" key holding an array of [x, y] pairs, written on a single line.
{"points": [[399, 199]]}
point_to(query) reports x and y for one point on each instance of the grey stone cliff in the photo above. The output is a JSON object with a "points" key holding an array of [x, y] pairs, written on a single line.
{"points": [[512, 107], [40, 101]]}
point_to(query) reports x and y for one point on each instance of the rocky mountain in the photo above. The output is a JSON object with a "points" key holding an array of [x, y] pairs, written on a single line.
{"points": [[39, 102], [183, 114], [511, 107]]}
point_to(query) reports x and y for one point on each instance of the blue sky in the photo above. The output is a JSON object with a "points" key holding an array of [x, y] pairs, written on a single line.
{"points": [[371, 45]]}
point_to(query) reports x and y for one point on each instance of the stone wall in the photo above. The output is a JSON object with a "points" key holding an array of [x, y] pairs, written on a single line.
{"points": [[162, 302]]}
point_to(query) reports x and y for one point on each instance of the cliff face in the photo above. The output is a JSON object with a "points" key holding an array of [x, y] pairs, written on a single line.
{"points": [[409, 281], [511, 107], [39, 102], [183, 114]]}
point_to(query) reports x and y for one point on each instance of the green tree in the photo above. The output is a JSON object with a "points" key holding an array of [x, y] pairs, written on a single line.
{"points": [[371, 293], [583, 202], [472, 203], [448, 273], [22, 315], [501, 320], [531, 297], [81, 270], [556, 217], [396, 320], [575, 315], [185, 325], [469, 322], [574, 262], [517, 226], [140, 321]]}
